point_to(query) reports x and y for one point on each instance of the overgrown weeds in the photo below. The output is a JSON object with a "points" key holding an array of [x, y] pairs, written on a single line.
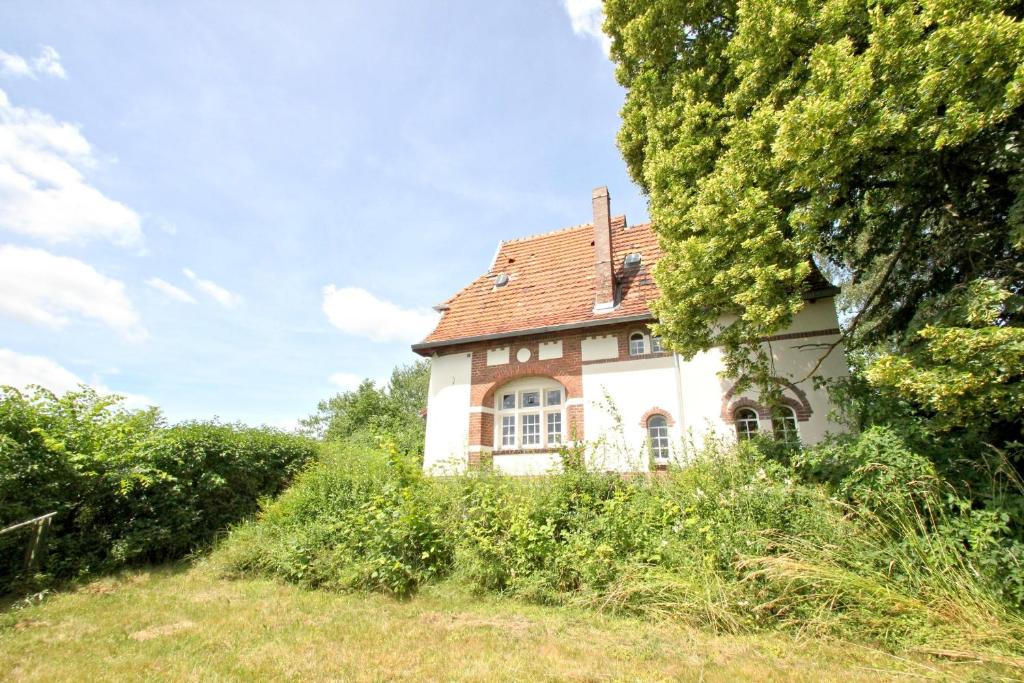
{"points": [[732, 542]]}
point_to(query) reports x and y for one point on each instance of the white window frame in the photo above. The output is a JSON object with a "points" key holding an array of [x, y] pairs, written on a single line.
{"points": [[656, 346], [657, 438], [508, 440], [643, 343], [546, 437], [551, 437], [785, 426], [747, 427]]}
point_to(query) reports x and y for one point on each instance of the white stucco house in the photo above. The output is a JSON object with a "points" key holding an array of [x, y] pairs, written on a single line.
{"points": [[552, 346]]}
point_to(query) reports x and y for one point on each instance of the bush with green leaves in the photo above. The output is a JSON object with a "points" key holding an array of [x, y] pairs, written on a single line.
{"points": [[126, 488], [733, 540], [360, 518]]}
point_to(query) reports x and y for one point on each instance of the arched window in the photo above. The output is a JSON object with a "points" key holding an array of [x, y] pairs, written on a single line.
{"points": [[784, 424], [746, 423], [636, 344], [528, 414], [657, 433]]}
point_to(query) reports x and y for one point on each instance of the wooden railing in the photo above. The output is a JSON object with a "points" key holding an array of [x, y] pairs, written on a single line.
{"points": [[39, 525]]}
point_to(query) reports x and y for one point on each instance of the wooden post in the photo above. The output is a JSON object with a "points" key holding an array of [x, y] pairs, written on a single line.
{"points": [[32, 553]]}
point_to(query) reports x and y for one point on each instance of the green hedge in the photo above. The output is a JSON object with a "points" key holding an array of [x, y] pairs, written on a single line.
{"points": [[126, 488]]}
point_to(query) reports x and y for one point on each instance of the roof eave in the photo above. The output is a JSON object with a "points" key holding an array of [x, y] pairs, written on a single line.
{"points": [[424, 348]]}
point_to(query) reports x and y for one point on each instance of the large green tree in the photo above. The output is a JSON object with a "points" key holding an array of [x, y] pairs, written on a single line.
{"points": [[880, 138], [392, 412]]}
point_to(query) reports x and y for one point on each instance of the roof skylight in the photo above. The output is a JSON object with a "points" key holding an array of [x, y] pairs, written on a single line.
{"points": [[632, 260], [501, 280]]}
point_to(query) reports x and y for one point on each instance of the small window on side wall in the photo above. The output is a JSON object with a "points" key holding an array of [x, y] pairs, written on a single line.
{"points": [[784, 425], [746, 423], [657, 434], [636, 344], [656, 346]]}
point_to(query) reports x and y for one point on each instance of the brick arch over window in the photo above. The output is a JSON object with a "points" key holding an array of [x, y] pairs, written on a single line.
{"points": [[487, 390], [800, 405], [656, 411], [481, 424]]}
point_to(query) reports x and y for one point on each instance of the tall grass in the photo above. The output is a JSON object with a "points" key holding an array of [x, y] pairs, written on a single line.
{"points": [[733, 542]]}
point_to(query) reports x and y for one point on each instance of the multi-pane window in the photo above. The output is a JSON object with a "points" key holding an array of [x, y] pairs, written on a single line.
{"points": [[657, 433], [746, 423], [656, 346], [508, 431], [531, 429], [554, 428], [636, 344], [784, 424], [529, 414]]}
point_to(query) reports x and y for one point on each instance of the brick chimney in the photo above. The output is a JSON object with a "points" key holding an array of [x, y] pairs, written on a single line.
{"points": [[604, 278]]}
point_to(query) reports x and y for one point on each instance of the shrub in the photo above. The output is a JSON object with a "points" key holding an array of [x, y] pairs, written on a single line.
{"points": [[359, 518], [125, 487]]}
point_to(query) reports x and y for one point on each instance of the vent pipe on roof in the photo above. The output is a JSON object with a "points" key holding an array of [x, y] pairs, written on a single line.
{"points": [[604, 277]]}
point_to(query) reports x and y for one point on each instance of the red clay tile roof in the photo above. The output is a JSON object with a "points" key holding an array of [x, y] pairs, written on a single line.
{"points": [[551, 283]]}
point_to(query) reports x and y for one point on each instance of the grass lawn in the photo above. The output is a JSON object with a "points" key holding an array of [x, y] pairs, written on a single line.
{"points": [[185, 623]]}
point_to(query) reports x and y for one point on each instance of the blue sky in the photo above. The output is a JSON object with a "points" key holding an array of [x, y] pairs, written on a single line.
{"points": [[237, 209]]}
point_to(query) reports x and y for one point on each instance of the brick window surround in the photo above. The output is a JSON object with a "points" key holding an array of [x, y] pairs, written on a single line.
{"points": [[657, 411], [800, 405], [485, 380]]}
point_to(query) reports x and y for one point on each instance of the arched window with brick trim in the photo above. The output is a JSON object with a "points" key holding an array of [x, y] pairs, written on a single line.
{"points": [[746, 423], [529, 413], [637, 344], [657, 436], [784, 424]]}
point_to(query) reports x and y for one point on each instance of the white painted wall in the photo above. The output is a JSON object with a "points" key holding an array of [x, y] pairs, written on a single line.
{"points": [[445, 448], [534, 463], [550, 350], [634, 387], [498, 356], [599, 348], [691, 391], [703, 389]]}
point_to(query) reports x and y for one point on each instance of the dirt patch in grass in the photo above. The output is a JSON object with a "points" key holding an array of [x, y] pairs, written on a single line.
{"points": [[163, 630], [30, 623], [507, 624]]}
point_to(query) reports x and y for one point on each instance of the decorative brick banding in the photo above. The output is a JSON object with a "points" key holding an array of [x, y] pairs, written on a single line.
{"points": [[486, 379], [803, 335]]}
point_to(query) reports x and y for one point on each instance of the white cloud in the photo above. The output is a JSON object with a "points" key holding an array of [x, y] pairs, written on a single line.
{"points": [[47, 63], [43, 192], [40, 287], [357, 312], [586, 17], [212, 289], [14, 65], [21, 370], [176, 293], [346, 381]]}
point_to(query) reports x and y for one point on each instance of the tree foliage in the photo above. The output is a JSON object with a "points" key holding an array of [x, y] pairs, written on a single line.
{"points": [[393, 412], [880, 137]]}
